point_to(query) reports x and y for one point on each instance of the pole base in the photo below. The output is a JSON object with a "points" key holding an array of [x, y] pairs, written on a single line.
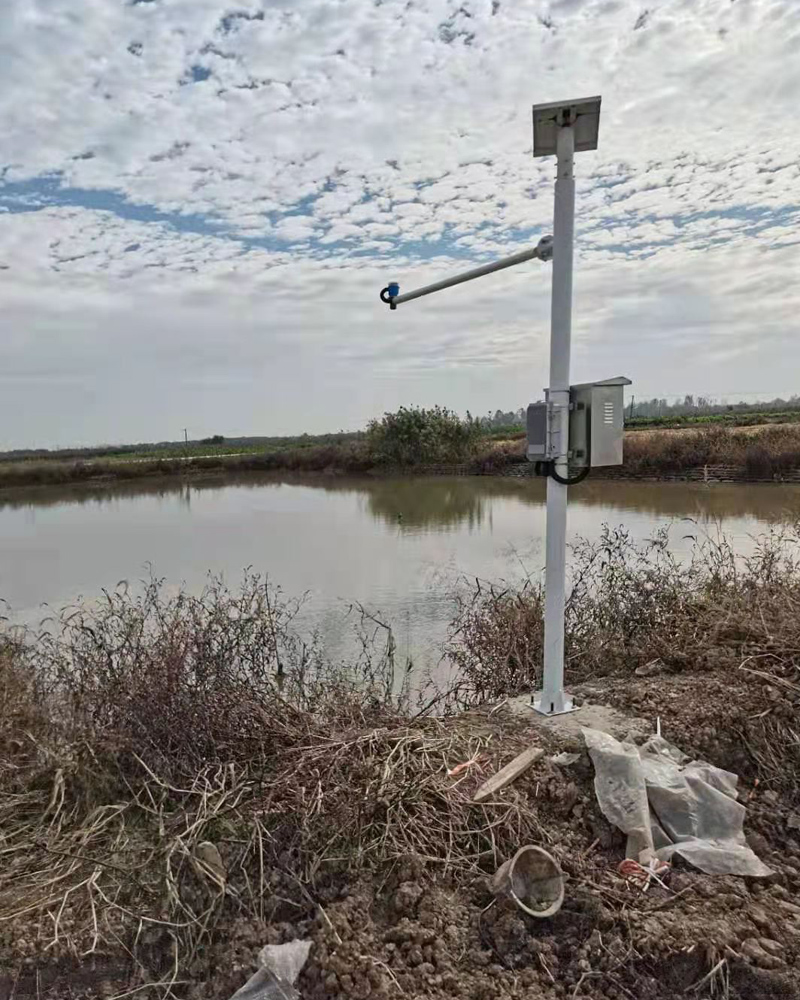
{"points": [[546, 704]]}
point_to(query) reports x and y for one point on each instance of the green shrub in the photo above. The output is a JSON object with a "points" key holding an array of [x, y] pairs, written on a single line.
{"points": [[414, 436]]}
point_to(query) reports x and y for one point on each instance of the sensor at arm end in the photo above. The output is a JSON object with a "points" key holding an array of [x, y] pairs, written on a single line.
{"points": [[390, 293]]}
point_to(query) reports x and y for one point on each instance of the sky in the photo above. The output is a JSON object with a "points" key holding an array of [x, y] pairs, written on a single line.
{"points": [[200, 201]]}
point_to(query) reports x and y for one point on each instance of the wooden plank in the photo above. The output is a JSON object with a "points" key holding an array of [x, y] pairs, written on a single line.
{"points": [[509, 773]]}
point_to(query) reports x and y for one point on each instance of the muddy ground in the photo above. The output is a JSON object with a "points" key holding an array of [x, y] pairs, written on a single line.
{"points": [[418, 928]]}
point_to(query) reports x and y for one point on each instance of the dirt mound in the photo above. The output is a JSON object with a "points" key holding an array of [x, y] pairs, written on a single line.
{"points": [[425, 931], [416, 939], [742, 721]]}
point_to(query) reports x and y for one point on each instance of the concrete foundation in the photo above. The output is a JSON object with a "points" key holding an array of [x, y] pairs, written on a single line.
{"points": [[589, 715]]}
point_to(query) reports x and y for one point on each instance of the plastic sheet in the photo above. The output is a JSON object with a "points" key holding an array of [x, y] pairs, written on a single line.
{"points": [[669, 805], [281, 964]]}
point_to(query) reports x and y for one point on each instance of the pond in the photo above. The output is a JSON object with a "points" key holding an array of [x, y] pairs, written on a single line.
{"points": [[399, 545]]}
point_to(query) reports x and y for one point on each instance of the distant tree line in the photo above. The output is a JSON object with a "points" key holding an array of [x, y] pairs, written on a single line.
{"points": [[422, 434], [705, 405], [503, 418], [689, 405]]}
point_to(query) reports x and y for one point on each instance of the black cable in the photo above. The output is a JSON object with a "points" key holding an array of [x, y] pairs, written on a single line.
{"points": [[568, 480]]}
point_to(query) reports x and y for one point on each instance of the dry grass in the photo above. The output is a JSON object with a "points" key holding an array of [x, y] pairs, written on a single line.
{"points": [[171, 766], [762, 452], [105, 853], [631, 603], [637, 606], [133, 875], [348, 457], [138, 732]]}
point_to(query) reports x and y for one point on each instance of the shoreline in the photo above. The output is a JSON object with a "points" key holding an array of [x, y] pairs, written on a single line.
{"points": [[188, 472], [766, 454]]}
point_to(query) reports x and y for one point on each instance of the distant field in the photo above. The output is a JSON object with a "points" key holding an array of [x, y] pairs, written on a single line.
{"points": [[261, 446], [761, 445], [193, 450], [714, 419], [510, 432], [171, 450]]}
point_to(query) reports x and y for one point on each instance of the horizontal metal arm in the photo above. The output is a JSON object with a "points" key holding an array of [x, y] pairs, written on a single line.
{"points": [[543, 251]]}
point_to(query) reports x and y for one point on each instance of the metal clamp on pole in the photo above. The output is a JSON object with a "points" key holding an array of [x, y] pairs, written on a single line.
{"points": [[542, 251]]}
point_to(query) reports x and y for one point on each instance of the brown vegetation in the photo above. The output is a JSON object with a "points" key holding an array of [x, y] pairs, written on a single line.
{"points": [[185, 778], [767, 452], [716, 625], [351, 457]]}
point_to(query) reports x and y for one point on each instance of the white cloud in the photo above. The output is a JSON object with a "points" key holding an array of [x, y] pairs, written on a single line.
{"points": [[389, 131], [315, 93], [259, 341]]}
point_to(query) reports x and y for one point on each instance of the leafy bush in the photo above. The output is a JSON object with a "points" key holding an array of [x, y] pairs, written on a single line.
{"points": [[414, 436]]}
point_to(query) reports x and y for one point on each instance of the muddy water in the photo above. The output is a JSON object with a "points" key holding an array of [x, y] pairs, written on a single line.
{"points": [[397, 545]]}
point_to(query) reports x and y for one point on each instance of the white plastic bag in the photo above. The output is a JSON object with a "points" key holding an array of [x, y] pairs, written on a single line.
{"points": [[667, 806], [281, 964]]}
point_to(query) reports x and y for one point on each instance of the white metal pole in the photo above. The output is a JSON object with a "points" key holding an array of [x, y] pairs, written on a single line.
{"points": [[552, 699], [542, 251]]}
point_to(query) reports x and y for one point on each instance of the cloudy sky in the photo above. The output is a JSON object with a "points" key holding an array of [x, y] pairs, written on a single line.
{"points": [[200, 201]]}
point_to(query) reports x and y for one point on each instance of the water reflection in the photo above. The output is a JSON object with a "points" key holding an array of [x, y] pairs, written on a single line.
{"points": [[395, 544], [412, 504], [105, 494], [440, 502]]}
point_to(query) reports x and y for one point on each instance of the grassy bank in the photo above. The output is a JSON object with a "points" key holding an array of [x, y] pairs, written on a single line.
{"points": [[753, 418], [714, 623], [183, 779], [350, 458], [764, 452], [168, 450]]}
